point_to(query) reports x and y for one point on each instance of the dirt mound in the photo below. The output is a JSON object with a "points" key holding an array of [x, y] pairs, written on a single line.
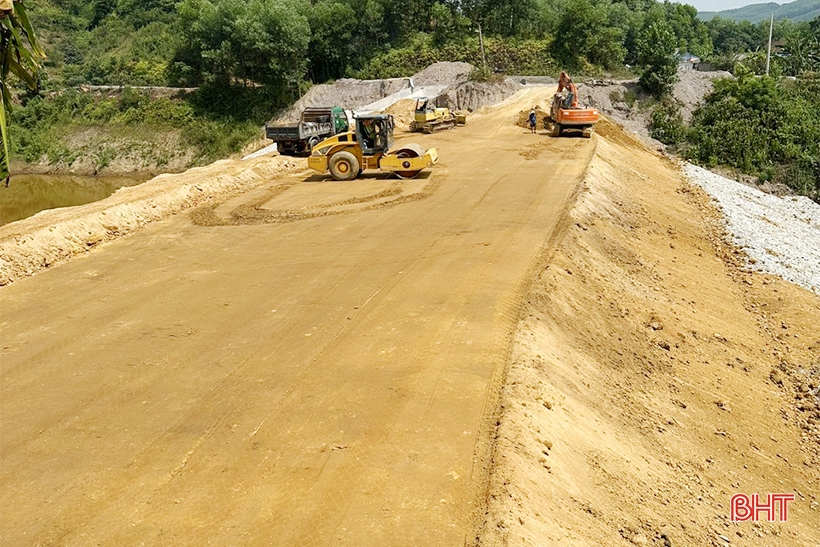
{"points": [[692, 87], [443, 73], [615, 133], [402, 111], [540, 116], [52, 236], [621, 100], [473, 95]]}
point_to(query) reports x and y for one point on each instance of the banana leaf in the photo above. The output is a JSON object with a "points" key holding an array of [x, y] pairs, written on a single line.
{"points": [[4, 146], [21, 57]]}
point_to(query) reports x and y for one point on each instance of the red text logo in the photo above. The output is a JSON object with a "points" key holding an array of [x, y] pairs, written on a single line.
{"points": [[776, 507]]}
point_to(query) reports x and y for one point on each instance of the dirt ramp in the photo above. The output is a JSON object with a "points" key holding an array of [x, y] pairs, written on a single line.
{"points": [[649, 379]]}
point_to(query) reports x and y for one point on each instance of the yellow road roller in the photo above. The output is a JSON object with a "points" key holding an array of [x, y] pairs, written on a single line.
{"points": [[368, 147]]}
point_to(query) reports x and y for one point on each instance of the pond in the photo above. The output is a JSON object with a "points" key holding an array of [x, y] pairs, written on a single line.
{"points": [[30, 194]]}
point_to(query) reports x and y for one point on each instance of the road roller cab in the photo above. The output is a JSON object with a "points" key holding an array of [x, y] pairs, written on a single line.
{"points": [[368, 147]]}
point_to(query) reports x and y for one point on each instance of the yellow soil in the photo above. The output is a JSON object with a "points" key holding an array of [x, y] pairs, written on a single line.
{"points": [[305, 362], [403, 112], [651, 378]]}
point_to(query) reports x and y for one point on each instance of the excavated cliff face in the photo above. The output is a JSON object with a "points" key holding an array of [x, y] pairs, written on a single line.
{"points": [[347, 93], [474, 95], [353, 94], [462, 94]]}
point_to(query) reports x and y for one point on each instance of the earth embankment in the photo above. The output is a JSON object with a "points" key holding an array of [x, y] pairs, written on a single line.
{"points": [[653, 376]]}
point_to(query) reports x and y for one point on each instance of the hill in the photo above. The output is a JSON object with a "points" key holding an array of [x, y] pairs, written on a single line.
{"points": [[800, 10]]}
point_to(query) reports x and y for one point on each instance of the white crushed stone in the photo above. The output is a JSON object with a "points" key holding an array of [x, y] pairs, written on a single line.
{"points": [[782, 234]]}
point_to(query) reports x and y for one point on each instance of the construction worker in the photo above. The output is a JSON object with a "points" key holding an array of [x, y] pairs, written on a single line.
{"points": [[533, 118], [368, 134]]}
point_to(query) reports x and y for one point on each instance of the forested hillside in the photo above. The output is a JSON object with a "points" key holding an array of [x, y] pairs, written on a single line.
{"points": [[800, 10], [251, 57]]}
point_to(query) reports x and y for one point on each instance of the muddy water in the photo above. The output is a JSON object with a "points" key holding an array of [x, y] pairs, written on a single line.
{"points": [[29, 194]]}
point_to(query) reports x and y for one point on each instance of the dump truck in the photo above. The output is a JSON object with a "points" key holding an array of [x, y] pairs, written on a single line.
{"points": [[430, 118], [566, 114], [367, 146], [315, 125]]}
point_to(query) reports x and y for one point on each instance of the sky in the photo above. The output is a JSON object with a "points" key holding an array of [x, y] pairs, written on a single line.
{"points": [[720, 5]]}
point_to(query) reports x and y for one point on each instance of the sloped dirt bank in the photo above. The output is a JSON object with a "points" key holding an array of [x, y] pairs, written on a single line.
{"points": [[52, 236], [652, 378]]}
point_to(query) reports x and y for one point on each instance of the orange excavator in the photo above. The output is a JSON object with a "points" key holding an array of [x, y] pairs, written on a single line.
{"points": [[566, 114]]}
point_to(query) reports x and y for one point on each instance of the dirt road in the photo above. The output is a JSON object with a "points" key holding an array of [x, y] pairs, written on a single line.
{"points": [[312, 363]]}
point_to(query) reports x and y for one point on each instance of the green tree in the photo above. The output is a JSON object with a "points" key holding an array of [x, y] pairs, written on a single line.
{"points": [[20, 54], [657, 54], [449, 25], [331, 49], [691, 33], [586, 33], [730, 37], [803, 49], [233, 42]]}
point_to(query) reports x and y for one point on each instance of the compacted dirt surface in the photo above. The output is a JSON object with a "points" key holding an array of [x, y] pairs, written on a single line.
{"points": [[538, 342], [309, 363]]}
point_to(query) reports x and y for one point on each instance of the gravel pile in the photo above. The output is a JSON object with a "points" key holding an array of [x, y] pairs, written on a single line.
{"points": [[443, 73], [692, 87], [474, 95], [780, 235]]}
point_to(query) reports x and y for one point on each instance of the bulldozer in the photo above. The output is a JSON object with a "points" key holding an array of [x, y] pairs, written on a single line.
{"points": [[347, 154], [567, 115], [430, 118]]}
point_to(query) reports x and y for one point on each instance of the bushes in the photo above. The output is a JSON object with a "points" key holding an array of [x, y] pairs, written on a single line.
{"points": [[761, 126], [40, 126], [666, 123]]}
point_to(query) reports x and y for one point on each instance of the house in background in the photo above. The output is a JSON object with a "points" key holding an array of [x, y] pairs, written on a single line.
{"points": [[688, 61]]}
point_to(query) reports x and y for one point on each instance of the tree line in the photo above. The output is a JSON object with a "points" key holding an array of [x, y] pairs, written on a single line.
{"points": [[251, 56], [282, 44]]}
